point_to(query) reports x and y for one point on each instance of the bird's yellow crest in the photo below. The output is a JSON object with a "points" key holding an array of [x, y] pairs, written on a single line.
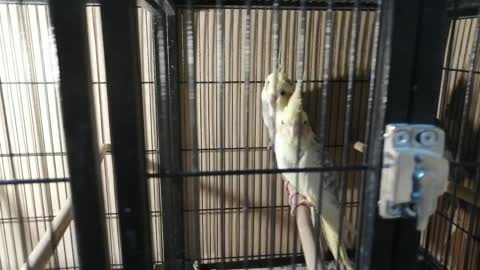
{"points": [[294, 106]]}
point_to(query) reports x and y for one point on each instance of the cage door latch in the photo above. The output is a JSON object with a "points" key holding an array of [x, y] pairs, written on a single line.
{"points": [[415, 172]]}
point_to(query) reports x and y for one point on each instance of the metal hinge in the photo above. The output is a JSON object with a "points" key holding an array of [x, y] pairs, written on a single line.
{"points": [[415, 172]]}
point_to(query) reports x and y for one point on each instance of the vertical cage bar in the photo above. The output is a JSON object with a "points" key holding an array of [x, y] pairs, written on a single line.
{"points": [[163, 134], [275, 40], [69, 27], [432, 27], [400, 77], [191, 27], [246, 61], [432, 35], [367, 257], [119, 21], [352, 60], [323, 118], [220, 89], [168, 102]]}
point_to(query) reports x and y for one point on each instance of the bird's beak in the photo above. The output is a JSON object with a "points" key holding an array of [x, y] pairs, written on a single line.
{"points": [[294, 132], [273, 99]]}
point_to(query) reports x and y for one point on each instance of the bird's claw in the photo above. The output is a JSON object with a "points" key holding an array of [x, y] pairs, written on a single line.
{"points": [[270, 146]]}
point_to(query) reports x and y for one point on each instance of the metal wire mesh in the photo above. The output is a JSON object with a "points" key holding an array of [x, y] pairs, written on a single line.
{"points": [[31, 137], [32, 146], [452, 238], [265, 218], [222, 120], [235, 209]]}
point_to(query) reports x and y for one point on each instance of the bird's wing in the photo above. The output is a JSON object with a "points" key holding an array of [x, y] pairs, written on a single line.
{"points": [[314, 157], [267, 117], [323, 189]]}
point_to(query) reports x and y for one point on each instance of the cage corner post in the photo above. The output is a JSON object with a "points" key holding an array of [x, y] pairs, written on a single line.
{"points": [[412, 40], [124, 93], [168, 101], [69, 29]]}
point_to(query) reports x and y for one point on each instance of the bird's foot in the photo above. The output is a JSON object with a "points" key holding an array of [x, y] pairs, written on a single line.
{"points": [[270, 146]]}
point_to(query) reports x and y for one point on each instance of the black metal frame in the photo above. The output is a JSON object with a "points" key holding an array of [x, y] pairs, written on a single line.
{"points": [[165, 30], [282, 3], [70, 28], [255, 263], [169, 5], [119, 21], [412, 40], [416, 32]]}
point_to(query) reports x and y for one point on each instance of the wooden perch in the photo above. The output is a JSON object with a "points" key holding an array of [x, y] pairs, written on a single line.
{"points": [[44, 249], [360, 147], [307, 238], [38, 258]]}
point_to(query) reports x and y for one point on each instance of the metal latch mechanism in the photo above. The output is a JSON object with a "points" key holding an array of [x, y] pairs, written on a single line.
{"points": [[415, 172]]}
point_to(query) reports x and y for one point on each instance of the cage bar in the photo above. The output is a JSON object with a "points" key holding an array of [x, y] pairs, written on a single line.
{"points": [[215, 199], [283, 4], [165, 29], [120, 28], [69, 26], [378, 89]]}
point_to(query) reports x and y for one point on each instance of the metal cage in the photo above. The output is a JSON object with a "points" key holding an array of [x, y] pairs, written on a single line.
{"points": [[131, 134]]}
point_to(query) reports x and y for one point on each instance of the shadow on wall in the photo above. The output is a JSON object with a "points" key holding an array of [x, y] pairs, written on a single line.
{"points": [[336, 112], [463, 176], [452, 121]]}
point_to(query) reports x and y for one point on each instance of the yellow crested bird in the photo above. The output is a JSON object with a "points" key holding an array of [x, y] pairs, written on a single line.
{"points": [[275, 95], [297, 146]]}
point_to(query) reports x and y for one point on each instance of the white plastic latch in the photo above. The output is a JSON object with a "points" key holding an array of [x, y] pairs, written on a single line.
{"points": [[415, 172]]}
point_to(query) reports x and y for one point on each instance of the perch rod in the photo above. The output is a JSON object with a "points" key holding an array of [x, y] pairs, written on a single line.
{"points": [[44, 249], [42, 252], [307, 238]]}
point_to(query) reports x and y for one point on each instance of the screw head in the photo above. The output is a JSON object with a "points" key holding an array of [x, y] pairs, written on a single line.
{"points": [[401, 138], [418, 175], [427, 137]]}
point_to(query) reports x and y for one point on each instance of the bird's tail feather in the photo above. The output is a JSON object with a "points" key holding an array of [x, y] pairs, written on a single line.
{"points": [[331, 236]]}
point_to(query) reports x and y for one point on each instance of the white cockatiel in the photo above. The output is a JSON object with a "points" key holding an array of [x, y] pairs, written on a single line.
{"points": [[293, 128], [275, 95]]}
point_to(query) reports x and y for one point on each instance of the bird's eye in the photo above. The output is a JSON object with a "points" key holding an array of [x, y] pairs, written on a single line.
{"points": [[305, 122], [268, 82], [282, 93], [283, 123]]}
